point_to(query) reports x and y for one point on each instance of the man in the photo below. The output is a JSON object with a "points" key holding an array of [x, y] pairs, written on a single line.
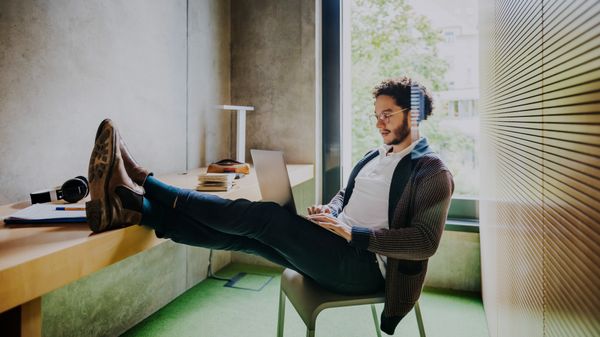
{"points": [[380, 230]]}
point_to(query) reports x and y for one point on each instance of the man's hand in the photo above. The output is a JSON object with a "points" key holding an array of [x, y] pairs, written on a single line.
{"points": [[318, 209], [332, 224]]}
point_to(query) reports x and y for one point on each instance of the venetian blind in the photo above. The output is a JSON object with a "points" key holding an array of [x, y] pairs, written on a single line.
{"points": [[540, 213]]}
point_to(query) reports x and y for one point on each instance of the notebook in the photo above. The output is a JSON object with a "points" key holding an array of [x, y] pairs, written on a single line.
{"points": [[48, 213], [273, 179]]}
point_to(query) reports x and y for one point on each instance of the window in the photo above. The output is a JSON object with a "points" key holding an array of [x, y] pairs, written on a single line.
{"points": [[435, 42]]}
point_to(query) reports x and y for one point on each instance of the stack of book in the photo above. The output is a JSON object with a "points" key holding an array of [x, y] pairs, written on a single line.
{"points": [[215, 181]]}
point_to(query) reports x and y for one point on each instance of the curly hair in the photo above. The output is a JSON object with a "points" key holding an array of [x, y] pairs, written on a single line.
{"points": [[399, 89]]}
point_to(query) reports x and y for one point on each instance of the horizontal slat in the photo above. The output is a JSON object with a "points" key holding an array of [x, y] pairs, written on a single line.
{"points": [[580, 109], [565, 276], [556, 213], [575, 72], [525, 75], [576, 203], [572, 87], [576, 170], [575, 137], [511, 42], [566, 145], [572, 116], [519, 93], [572, 99], [562, 27], [572, 128], [582, 181], [521, 83], [530, 138], [581, 160]]}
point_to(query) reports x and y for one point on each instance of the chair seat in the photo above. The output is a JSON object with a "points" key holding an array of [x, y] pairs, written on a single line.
{"points": [[309, 299]]}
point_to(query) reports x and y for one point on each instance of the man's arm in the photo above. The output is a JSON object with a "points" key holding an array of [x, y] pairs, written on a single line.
{"points": [[421, 238], [337, 203]]}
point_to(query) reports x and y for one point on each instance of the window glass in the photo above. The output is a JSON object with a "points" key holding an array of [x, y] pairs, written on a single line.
{"points": [[435, 42]]}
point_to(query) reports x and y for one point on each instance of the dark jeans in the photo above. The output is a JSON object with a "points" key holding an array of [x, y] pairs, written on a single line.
{"points": [[260, 228]]}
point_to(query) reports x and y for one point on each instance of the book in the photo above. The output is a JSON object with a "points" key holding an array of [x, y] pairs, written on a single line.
{"points": [[217, 177], [208, 188], [47, 213], [222, 182]]}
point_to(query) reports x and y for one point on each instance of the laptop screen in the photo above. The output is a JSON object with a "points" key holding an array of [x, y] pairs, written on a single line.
{"points": [[273, 179]]}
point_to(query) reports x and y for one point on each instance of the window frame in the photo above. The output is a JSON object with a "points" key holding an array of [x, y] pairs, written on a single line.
{"points": [[463, 215]]}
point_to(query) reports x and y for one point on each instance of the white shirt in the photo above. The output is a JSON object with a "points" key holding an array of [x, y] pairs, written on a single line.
{"points": [[368, 205]]}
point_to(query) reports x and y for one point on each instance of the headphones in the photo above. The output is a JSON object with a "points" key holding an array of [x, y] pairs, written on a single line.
{"points": [[71, 191]]}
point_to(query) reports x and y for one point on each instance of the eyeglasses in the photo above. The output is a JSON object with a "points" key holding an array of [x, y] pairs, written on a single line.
{"points": [[385, 117]]}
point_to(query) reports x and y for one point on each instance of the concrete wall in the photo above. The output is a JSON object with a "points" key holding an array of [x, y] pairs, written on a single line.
{"points": [[457, 264], [112, 300], [273, 69], [64, 66], [209, 81]]}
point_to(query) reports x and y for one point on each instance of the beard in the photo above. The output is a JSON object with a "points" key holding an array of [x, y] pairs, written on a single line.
{"points": [[401, 133]]}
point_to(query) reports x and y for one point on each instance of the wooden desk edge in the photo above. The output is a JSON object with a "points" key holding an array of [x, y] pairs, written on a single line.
{"points": [[84, 258]]}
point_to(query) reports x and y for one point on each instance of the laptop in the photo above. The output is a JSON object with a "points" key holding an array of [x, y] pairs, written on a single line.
{"points": [[273, 179]]}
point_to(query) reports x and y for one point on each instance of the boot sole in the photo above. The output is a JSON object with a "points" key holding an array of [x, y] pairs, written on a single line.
{"points": [[98, 211], [100, 127]]}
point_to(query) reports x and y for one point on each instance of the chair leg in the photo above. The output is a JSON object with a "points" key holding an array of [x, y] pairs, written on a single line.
{"points": [[375, 320], [419, 320], [281, 315]]}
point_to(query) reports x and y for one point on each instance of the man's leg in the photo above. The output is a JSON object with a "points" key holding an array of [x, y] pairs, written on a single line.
{"points": [[176, 226], [315, 252]]}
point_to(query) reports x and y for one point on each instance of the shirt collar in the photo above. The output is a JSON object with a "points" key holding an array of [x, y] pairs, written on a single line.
{"points": [[421, 148], [384, 148]]}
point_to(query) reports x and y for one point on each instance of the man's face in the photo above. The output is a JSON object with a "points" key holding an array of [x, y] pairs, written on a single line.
{"points": [[397, 127]]}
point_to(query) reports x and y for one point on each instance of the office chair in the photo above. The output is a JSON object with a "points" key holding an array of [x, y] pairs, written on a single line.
{"points": [[309, 300]]}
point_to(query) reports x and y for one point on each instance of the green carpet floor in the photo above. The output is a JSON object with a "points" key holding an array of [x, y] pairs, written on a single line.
{"points": [[211, 310]]}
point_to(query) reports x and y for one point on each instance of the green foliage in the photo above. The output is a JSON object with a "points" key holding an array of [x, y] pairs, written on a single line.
{"points": [[457, 149]]}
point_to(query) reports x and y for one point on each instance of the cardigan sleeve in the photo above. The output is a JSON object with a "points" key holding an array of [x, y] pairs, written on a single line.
{"points": [[420, 239], [337, 203]]}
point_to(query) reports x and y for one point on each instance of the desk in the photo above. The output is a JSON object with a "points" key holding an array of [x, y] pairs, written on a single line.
{"points": [[37, 260]]}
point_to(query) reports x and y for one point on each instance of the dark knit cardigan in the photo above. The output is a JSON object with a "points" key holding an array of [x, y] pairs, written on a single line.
{"points": [[419, 199]]}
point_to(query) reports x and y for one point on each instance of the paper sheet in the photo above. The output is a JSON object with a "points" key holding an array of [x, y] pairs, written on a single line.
{"points": [[48, 213]]}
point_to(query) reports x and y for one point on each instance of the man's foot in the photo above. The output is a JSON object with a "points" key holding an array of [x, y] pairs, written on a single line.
{"points": [[135, 171], [116, 201]]}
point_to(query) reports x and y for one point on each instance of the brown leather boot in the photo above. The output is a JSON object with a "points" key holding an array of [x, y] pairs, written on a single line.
{"points": [[135, 171], [116, 201]]}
